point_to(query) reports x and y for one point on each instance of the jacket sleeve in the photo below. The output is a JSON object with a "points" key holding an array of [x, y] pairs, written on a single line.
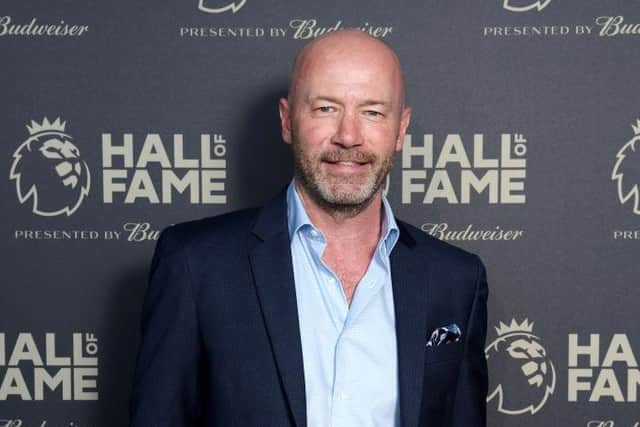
{"points": [[470, 404], [166, 385]]}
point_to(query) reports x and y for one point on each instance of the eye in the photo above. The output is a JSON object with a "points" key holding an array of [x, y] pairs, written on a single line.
{"points": [[373, 113], [325, 109]]}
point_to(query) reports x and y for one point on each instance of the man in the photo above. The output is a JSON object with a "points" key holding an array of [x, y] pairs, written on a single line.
{"points": [[319, 309]]}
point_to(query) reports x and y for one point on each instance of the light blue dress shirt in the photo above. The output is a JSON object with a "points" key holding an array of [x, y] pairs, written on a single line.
{"points": [[349, 352]]}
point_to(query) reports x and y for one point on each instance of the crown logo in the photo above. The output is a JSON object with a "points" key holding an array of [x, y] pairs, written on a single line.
{"points": [[636, 127], [504, 329], [46, 125]]}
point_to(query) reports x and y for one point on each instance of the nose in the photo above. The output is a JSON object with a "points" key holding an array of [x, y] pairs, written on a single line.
{"points": [[348, 131]]}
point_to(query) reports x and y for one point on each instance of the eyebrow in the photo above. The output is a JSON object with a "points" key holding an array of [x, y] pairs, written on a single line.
{"points": [[367, 102]]}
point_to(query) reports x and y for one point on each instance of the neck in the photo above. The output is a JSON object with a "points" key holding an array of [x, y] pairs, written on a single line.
{"points": [[344, 222]]}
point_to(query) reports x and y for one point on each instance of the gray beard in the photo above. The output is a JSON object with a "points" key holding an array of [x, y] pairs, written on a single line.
{"points": [[333, 200]]}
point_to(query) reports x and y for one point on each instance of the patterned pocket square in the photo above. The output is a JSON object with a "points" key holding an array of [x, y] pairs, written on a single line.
{"points": [[444, 335]]}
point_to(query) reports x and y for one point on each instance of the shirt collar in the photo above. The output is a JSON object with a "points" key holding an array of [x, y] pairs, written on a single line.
{"points": [[297, 218]]}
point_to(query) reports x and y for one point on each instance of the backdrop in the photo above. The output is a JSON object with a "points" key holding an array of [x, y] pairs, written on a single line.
{"points": [[119, 118]]}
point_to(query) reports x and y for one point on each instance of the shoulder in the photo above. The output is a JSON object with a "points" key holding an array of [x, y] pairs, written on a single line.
{"points": [[207, 232], [457, 275], [438, 250]]}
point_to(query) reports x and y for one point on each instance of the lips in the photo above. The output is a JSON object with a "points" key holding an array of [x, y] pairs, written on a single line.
{"points": [[353, 158], [346, 167], [346, 163]]}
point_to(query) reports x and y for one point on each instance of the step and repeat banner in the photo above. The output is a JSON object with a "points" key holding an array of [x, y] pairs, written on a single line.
{"points": [[120, 118]]}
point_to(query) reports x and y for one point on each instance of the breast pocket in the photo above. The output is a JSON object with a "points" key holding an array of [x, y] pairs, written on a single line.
{"points": [[450, 352]]}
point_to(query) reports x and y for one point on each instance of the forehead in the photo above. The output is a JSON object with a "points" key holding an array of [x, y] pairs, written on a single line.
{"points": [[361, 70]]}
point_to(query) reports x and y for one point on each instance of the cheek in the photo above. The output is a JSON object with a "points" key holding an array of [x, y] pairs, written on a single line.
{"points": [[382, 138], [314, 133]]}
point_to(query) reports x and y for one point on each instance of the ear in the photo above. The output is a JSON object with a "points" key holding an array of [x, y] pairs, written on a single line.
{"points": [[285, 119], [405, 118]]}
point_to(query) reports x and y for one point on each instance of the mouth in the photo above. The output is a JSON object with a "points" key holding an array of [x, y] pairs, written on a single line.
{"points": [[346, 166], [346, 162]]}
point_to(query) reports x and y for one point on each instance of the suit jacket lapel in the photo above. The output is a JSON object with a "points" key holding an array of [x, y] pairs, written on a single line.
{"points": [[409, 277], [270, 257]]}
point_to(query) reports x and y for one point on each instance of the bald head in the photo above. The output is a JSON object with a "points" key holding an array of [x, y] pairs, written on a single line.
{"points": [[354, 50]]}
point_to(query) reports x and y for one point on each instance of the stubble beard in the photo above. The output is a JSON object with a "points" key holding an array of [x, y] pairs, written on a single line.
{"points": [[340, 195]]}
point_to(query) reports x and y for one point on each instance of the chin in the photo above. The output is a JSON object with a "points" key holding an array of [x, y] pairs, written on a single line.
{"points": [[348, 194]]}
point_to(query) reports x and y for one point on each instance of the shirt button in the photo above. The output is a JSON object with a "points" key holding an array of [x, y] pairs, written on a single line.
{"points": [[313, 233]]}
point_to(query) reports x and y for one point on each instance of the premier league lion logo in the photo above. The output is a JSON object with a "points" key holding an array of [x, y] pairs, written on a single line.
{"points": [[48, 170], [526, 376], [525, 5], [626, 171]]}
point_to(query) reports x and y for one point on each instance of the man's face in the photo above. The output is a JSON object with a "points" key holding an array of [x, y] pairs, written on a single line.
{"points": [[345, 121]]}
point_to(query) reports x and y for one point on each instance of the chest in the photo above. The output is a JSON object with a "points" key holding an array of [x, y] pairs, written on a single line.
{"points": [[349, 352], [349, 265]]}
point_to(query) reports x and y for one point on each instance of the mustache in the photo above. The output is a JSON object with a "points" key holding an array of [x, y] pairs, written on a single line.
{"points": [[334, 156]]}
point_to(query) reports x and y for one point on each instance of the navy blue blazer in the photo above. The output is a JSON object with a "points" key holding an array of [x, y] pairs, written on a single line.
{"points": [[220, 341]]}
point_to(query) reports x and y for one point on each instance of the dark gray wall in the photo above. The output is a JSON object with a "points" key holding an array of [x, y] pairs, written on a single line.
{"points": [[558, 83]]}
